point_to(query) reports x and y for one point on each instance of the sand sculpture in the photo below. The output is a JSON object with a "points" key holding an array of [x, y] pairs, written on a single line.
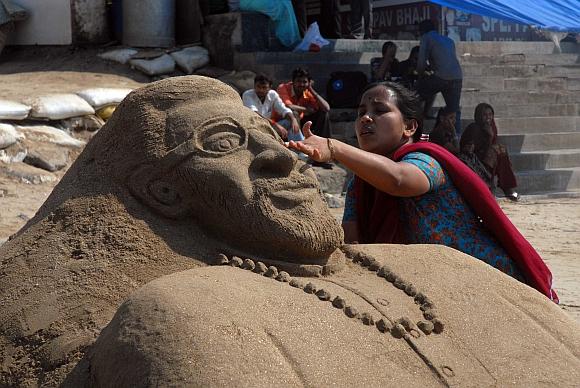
{"points": [[186, 246]]}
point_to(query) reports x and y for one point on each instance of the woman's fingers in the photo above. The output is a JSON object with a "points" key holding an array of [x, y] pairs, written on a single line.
{"points": [[309, 150], [306, 129]]}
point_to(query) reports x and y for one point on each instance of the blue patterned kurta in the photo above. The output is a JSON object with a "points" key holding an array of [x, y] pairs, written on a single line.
{"points": [[441, 216]]}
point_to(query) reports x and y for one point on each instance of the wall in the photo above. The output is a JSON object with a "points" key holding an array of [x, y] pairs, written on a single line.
{"points": [[89, 21], [49, 23]]}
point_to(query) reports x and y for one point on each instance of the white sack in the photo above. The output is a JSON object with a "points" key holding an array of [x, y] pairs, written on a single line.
{"points": [[8, 135], [11, 110], [7, 158], [100, 97], [119, 55], [191, 58], [48, 134], [160, 65], [59, 106]]}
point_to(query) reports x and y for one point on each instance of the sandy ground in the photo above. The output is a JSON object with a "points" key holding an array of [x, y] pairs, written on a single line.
{"points": [[552, 225], [29, 72]]}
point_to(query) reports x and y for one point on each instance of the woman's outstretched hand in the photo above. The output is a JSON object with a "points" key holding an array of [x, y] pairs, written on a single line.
{"points": [[315, 147]]}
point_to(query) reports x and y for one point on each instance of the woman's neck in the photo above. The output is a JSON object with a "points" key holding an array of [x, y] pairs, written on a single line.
{"points": [[403, 143]]}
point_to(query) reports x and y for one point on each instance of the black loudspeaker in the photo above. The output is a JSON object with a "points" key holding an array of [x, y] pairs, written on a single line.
{"points": [[344, 88]]}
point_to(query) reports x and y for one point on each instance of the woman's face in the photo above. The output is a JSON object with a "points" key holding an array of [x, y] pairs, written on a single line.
{"points": [[487, 116], [380, 127], [449, 120], [390, 52]]}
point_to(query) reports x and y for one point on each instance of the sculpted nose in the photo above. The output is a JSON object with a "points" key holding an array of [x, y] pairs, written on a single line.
{"points": [[273, 160]]}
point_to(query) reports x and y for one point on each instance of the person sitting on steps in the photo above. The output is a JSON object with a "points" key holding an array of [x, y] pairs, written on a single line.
{"points": [[300, 96], [483, 135], [263, 100], [444, 131], [385, 67], [408, 69]]}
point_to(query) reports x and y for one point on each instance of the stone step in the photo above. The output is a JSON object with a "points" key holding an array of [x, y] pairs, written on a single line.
{"points": [[501, 111], [319, 73], [308, 59], [474, 48], [354, 58], [529, 59], [367, 45], [562, 71], [525, 125], [524, 111], [343, 130], [573, 83], [343, 114], [551, 180], [506, 126], [359, 61], [505, 70], [529, 181], [520, 70], [540, 141], [470, 97], [500, 83], [541, 84], [541, 160]]}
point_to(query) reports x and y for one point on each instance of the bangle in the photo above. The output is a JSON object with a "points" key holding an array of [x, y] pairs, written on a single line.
{"points": [[330, 148]]}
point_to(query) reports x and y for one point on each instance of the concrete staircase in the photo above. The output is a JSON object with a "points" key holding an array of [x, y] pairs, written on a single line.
{"points": [[534, 90]]}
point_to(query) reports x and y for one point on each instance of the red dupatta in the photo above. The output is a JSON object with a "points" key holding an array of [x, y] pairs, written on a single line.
{"points": [[379, 222]]}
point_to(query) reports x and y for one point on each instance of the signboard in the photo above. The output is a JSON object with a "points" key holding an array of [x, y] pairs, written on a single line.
{"points": [[461, 26], [402, 21]]}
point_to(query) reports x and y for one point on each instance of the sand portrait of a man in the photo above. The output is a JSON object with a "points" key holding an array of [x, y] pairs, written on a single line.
{"points": [[116, 281], [235, 184]]}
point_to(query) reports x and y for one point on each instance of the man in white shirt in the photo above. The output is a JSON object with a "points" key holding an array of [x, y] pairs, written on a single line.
{"points": [[265, 101]]}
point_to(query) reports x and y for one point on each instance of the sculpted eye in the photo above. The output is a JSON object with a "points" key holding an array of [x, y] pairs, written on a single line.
{"points": [[222, 142]]}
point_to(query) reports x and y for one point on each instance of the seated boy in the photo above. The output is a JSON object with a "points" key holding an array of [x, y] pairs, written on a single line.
{"points": [[300, 96]]}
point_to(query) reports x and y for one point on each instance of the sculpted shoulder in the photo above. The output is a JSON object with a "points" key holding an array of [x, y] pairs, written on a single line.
{"points": [[227, 320]]}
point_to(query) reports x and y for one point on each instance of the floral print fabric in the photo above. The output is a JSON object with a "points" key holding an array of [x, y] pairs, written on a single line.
{"points": [[441, 216]]}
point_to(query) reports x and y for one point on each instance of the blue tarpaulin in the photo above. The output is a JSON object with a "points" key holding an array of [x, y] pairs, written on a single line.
{"points": [[556, 15]]}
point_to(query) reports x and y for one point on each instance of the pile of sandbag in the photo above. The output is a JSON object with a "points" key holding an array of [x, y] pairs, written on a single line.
{"points": [[39, 131], [159, 62], [64, 105]]}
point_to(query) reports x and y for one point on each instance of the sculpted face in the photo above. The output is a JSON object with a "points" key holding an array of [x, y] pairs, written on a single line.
{"points": [[245, 187]]}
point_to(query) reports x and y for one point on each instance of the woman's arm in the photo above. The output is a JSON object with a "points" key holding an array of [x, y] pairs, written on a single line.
{"points": [[395, 178]]}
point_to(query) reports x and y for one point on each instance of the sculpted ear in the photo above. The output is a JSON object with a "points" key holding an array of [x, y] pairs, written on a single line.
{"points": [[157, 192]]}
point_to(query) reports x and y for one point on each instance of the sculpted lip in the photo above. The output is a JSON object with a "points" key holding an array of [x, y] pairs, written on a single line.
{"points": [[295, 193], [286, 193]]}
